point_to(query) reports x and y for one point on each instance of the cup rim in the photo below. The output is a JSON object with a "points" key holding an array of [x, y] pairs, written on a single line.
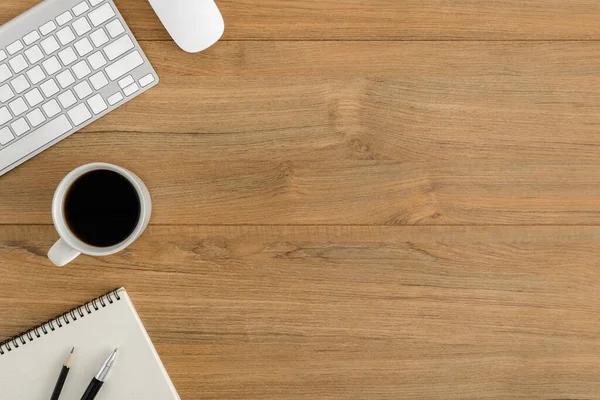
{"points": [[60, 222]]}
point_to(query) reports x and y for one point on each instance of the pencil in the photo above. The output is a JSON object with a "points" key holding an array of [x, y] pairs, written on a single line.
{"points": [[62, 377]]}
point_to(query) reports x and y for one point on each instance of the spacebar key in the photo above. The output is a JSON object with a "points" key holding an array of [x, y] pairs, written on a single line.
{"points": [[33, 141]]}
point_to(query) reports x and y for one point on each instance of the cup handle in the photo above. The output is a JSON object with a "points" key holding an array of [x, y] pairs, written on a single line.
{"points": [[62, 254]]}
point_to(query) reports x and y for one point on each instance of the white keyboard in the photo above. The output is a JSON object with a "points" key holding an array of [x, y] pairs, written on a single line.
{"points": [[64, 64]]}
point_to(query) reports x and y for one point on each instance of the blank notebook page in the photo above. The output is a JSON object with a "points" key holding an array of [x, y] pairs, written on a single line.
{"points": [[30, 371]]}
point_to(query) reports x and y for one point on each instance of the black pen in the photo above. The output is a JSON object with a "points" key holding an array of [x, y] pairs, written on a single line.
{"points": [[97, 382], [62, 377]]}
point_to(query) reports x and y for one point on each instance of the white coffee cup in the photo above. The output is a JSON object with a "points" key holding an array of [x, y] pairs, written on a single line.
{"points": [[69, 246]]}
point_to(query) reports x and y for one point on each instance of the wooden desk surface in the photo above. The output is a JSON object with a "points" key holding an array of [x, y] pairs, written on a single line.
{"points": [[393, 199]]}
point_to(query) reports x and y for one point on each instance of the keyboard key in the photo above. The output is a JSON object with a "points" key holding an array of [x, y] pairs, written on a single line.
{"points": [[4, 115], [68, 56], [64, 18], [49, 88], [34, 54], [101, 14], [34, 97], [148, 79], [97, 104], [36, 75], [67, 99], [18, 106], [115, 98], [131, 89], [31, 37], [51, 108], [36, 117], [98, 80], [20, 126], [124, 65], [18, 63], [83, 90], [36, 139], [5, 136], [47, 27], [51, 65], [50, 45], [81, 69], [115, 28], [83, 47], [65, 35], [3, 55], [118, 47], [14, 47], [95, 2], [81, 26], [80, 8], [20, 84], [99, 37], [65, 79], [4, 73], [128, 80], [79, 114], [6, 93], [97, 60]]}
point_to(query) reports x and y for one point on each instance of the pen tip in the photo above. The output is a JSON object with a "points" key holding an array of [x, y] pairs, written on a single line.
{"points": [[73, 349]]}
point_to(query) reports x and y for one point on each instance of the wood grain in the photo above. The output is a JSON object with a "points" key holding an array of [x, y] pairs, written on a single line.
{"points": [[342, 312], [361, 192], [344, 150], [390, 199], [415, 59], [378, 20]]}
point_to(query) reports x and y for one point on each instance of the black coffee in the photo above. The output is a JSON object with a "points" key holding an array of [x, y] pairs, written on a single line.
{"points": [[102, 208]]}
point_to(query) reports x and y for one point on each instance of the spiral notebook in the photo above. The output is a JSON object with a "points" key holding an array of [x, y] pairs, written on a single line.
{"points": [[30, 362]]}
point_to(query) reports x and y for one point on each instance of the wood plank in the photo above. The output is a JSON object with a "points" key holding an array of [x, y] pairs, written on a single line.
{"points": [[380, 20], [378, 58], [384, 150], [341, 312]]}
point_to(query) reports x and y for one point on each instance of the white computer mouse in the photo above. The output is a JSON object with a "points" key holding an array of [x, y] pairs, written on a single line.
{"points": [[194, 24]]}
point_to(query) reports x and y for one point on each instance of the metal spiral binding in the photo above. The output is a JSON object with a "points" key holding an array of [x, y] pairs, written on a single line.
{"points": [[51, 325]]}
